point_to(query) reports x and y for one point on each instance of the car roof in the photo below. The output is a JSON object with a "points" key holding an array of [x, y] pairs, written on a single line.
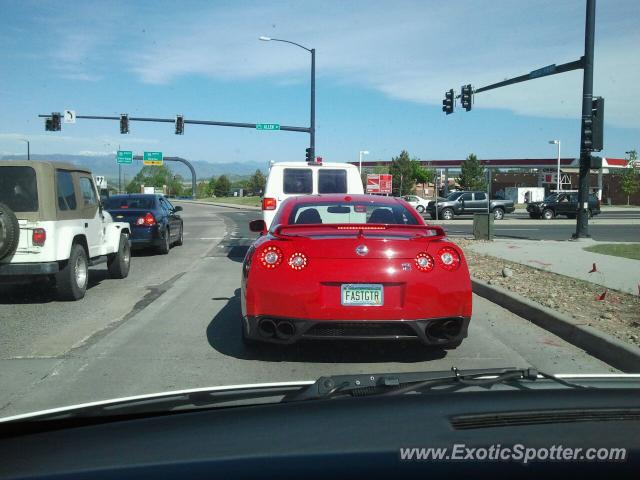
{"points": [[312, 165], [344, 197], [50, 163]]}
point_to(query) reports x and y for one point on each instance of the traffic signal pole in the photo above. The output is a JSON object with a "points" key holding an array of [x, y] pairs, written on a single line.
{"points": [[312, 122], [582, 224]]}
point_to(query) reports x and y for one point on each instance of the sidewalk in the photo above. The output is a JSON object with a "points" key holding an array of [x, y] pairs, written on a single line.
{"points": [[569, 259]]}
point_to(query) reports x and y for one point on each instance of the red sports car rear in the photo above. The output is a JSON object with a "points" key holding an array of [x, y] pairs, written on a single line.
{"points": [[354, 267]]}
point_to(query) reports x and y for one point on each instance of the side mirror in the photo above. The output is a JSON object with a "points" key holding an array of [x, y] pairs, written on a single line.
{"points": [[258, 226], [177, 209]]}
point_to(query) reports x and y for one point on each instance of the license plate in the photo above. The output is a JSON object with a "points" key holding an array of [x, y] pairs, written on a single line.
{"points": [[370, 295]]}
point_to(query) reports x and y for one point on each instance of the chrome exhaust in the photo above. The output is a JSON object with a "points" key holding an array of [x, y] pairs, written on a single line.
{"points": [[267, 327]]}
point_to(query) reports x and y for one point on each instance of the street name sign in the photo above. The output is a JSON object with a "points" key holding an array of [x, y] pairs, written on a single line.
{"points": [[267, 126]]}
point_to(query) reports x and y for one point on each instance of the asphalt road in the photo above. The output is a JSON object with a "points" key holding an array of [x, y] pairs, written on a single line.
{"points": [[174, 323]]}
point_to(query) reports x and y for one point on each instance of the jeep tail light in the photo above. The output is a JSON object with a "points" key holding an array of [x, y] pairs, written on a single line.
{"points": [[298, 261], [147, 221], [269, 204], [38, 237], [424, 262], [449, 258], [271, 257]]}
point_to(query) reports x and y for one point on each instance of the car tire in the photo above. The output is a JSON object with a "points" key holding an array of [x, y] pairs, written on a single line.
{"points": [[119, 263], [180, 240], [72, 280], [548, 214], [446, 214], [9, 231], [420, 209], [535, 216], [165, 245], [498, 213]]}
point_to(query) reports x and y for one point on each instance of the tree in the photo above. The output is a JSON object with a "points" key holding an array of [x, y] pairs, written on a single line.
{"points": [[257, 182], [223, 186], [420, 174], [629, 183], [202, 190], [212, 187], [152, 176], [403, 174], [472, 175]]}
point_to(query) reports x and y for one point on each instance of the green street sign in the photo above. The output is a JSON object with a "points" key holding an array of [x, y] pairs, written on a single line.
{"points": [[152, 158], [124, 157], [267, 126]]}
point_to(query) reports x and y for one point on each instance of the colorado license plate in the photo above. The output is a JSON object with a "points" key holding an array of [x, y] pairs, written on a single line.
{"points": [[362, 294]]}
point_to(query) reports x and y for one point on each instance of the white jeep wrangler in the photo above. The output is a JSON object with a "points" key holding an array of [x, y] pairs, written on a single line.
{"points": [[52, 224]]}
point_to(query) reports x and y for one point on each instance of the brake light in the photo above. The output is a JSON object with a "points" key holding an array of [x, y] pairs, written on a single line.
{"points": [[269, 204], [298, 261], [449, 258], [38, 237], [271, 257], [424, 262], [147, 221]]}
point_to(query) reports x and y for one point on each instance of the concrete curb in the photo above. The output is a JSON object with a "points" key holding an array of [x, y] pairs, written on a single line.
{"points": [[615, 352], [228, 205]]}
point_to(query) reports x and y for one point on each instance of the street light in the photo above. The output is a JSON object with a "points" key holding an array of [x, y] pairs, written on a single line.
{"points": [[362, 152], [312, 127], [28, 148], [557, 142]]}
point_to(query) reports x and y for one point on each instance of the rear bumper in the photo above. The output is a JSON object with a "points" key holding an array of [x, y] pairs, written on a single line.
{"points": [[433, 331], [25, 269], [145, 236]]}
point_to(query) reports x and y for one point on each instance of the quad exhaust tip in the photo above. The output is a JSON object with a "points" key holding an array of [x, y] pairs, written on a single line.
{"points": [[267, 327], [444, 329], [283, 329]]}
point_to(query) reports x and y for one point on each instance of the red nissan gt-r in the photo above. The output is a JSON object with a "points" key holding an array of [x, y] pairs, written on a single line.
{"points": [[353, 267]]}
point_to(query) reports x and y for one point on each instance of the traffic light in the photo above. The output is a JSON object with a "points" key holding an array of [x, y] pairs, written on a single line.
{"points": [[179, 125], [597, 112], [309, 151], [465, 97], [124, 123], [53, 124], [447, 103]]}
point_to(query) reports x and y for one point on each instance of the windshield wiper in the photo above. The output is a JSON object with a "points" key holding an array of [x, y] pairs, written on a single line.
{"points": [[402, 383]]}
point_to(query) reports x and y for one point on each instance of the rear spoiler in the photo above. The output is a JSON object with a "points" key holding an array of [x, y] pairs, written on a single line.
{"points": [[418, 231]]}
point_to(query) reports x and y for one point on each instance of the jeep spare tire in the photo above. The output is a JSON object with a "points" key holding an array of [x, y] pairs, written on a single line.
{"points": [[9, 232]]}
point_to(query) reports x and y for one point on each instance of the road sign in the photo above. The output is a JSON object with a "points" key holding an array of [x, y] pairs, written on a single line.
{"points": [[124, 157], [379, 183], [267, 126], [69, 116], [152, 158]]}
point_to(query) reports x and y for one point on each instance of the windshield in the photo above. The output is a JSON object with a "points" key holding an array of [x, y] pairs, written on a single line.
{"points": [[215, 193]]}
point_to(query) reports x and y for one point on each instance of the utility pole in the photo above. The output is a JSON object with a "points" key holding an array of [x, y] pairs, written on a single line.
{"points": [[582, 225]]}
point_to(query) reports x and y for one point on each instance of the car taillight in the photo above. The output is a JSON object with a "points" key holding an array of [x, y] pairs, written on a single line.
{"points": [[147, 221], [271, 257], [424, 262], [269, 204], [449, 258], [298, 261], [38, 237]]}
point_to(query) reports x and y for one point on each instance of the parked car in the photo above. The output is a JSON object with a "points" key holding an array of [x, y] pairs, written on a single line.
{"points": [[153, 219], [467, 203], [353, 267], [561, 204], [419, 203], [287, 179], [53, 225]]}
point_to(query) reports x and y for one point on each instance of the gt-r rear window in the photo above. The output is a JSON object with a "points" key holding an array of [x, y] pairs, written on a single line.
{"points": [[298, 180], [18, 188], [336, 213], [332, 181]]}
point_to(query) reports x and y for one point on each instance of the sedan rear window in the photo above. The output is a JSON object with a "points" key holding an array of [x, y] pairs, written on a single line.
{"points": [[298, 180], [336, 213], [332, 181], [119, 203], [18, 188]]}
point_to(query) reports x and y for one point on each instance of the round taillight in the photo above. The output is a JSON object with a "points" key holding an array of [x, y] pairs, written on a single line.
{"points": [[424, 262], [271, 257], [298, 261], [449, 258]]}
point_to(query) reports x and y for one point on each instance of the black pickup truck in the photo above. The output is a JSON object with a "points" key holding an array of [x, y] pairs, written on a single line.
{"points": [[468, 203], [561, 204]]}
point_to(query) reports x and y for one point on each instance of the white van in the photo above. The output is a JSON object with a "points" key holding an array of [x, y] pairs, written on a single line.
{"points": [[287, 179]]}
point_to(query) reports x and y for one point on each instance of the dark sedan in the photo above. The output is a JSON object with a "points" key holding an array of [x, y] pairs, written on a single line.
{"points": [[153, 219]]}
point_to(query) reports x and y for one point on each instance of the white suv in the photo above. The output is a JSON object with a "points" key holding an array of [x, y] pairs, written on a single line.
{"points": [[52, 224], [288, 179]]}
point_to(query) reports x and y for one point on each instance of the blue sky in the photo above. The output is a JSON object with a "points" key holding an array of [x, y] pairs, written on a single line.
{"points": [[382, 69]]}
